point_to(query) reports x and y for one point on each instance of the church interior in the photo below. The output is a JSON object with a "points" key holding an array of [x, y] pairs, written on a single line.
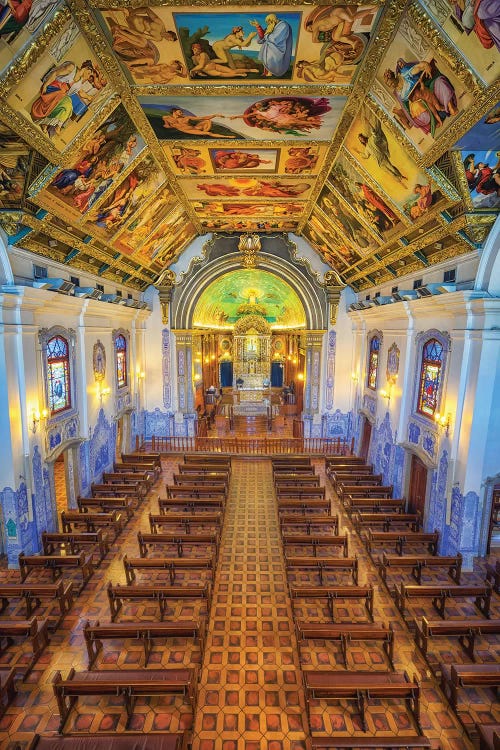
{"points": [[249, 393]]}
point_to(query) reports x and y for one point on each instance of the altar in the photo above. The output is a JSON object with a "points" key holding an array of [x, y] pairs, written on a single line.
{"points": [[252, 352]]}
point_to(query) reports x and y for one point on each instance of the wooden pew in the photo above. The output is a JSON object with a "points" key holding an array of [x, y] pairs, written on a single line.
{"points": [[489, 736], [33, 631], [171, 564], [130, 489], [207, 458], [145, 632], [191, 504], [219, 472], [149, 540], [384, 521], [308, 523], [149, 472], [321, 565], [465, 631], [363, 490], [305, 480], [293, 470], [345, 633], [176, 491], [384, 743], [119, 741], [457, 676], [418, 562], [440, 593], [106, 504], [74, 541], [56, 564], [33, 593], [302, 493], [350, 460], [400, 539], [162, 520], [93, 521], [293, 460], [161, 594], [143, 481], [304, 506], [333, 593], [374, 504], [129, 684], [319, 540], [199, 479], [362, 687], [7, 689], [154, 458], [349, 468], [493, 575], [369, 480]]}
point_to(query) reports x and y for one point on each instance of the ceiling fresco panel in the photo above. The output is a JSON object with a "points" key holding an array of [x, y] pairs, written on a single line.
{"points": [[247, 188], [19, 21], [419, 88], [473, 29], [64, 89], [484, 134], [136, 233], [88, 178], [372, 143], [242, 117]]}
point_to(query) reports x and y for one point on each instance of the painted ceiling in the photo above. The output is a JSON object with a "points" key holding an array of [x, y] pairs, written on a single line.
{"points": [[373, 130], [249, 292]]}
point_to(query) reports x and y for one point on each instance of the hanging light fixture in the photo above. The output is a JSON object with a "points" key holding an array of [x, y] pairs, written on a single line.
{"points": [[249, 245]]}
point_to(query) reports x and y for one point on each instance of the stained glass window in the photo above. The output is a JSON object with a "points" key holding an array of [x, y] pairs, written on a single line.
{"points": [[430, 376], [121, 360], [373, 362], [58, 380]]}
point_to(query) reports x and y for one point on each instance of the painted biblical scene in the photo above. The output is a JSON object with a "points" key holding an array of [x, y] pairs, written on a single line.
{"points": [[418, 88], [137, 232], [333, 42], [244, 160], [336, 215], [63, 90], [247, 187], [388, 163], [266, 224], [214, 208], [370, 205], [337, 258], [484, 134], [19, 20], [170, 237], [335, 239], [239, 44], [14, 170], [473, 27], [482, 170], [242, 118], [98, 167], [302, 159], [127, 198]]}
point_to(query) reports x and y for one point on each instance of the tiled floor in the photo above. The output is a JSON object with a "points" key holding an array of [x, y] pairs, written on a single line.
{"points": [[250, 695]]}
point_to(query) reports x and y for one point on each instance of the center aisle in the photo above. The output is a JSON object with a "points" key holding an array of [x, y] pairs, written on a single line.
{"points": [[250, 695]]}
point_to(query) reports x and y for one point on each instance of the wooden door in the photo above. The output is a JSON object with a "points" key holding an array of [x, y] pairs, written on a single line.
{"points": [[365, 439], [418, 486]]}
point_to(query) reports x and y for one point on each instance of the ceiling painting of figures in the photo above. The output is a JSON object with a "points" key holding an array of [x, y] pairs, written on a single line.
{"points": [[247, 188]]}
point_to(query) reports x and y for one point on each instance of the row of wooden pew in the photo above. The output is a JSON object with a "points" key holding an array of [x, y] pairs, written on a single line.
{"points": [[379, 527], [173, 530], [320, 534]]}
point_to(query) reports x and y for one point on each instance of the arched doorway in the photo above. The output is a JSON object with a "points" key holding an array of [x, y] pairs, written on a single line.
{"points": [[417, 488], [366, 436]]}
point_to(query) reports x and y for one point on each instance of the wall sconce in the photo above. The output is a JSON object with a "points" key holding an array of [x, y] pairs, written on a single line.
{"points": [[300, 376], [197, 376], [354, 377], [387, 393], [102, 390], [36, 416], [140, 374], [443, 421]]}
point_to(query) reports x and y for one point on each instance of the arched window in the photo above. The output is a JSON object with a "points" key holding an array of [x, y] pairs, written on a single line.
{"points": [[58, 374], [430, 377], [373, 359], [121, 360]]}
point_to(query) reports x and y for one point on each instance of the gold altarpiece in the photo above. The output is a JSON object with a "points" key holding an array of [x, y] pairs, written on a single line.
{"points": [[252, 352]]}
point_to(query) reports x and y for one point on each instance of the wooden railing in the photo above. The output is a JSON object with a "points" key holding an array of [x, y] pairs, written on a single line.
{"points": [[250, 446]]}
